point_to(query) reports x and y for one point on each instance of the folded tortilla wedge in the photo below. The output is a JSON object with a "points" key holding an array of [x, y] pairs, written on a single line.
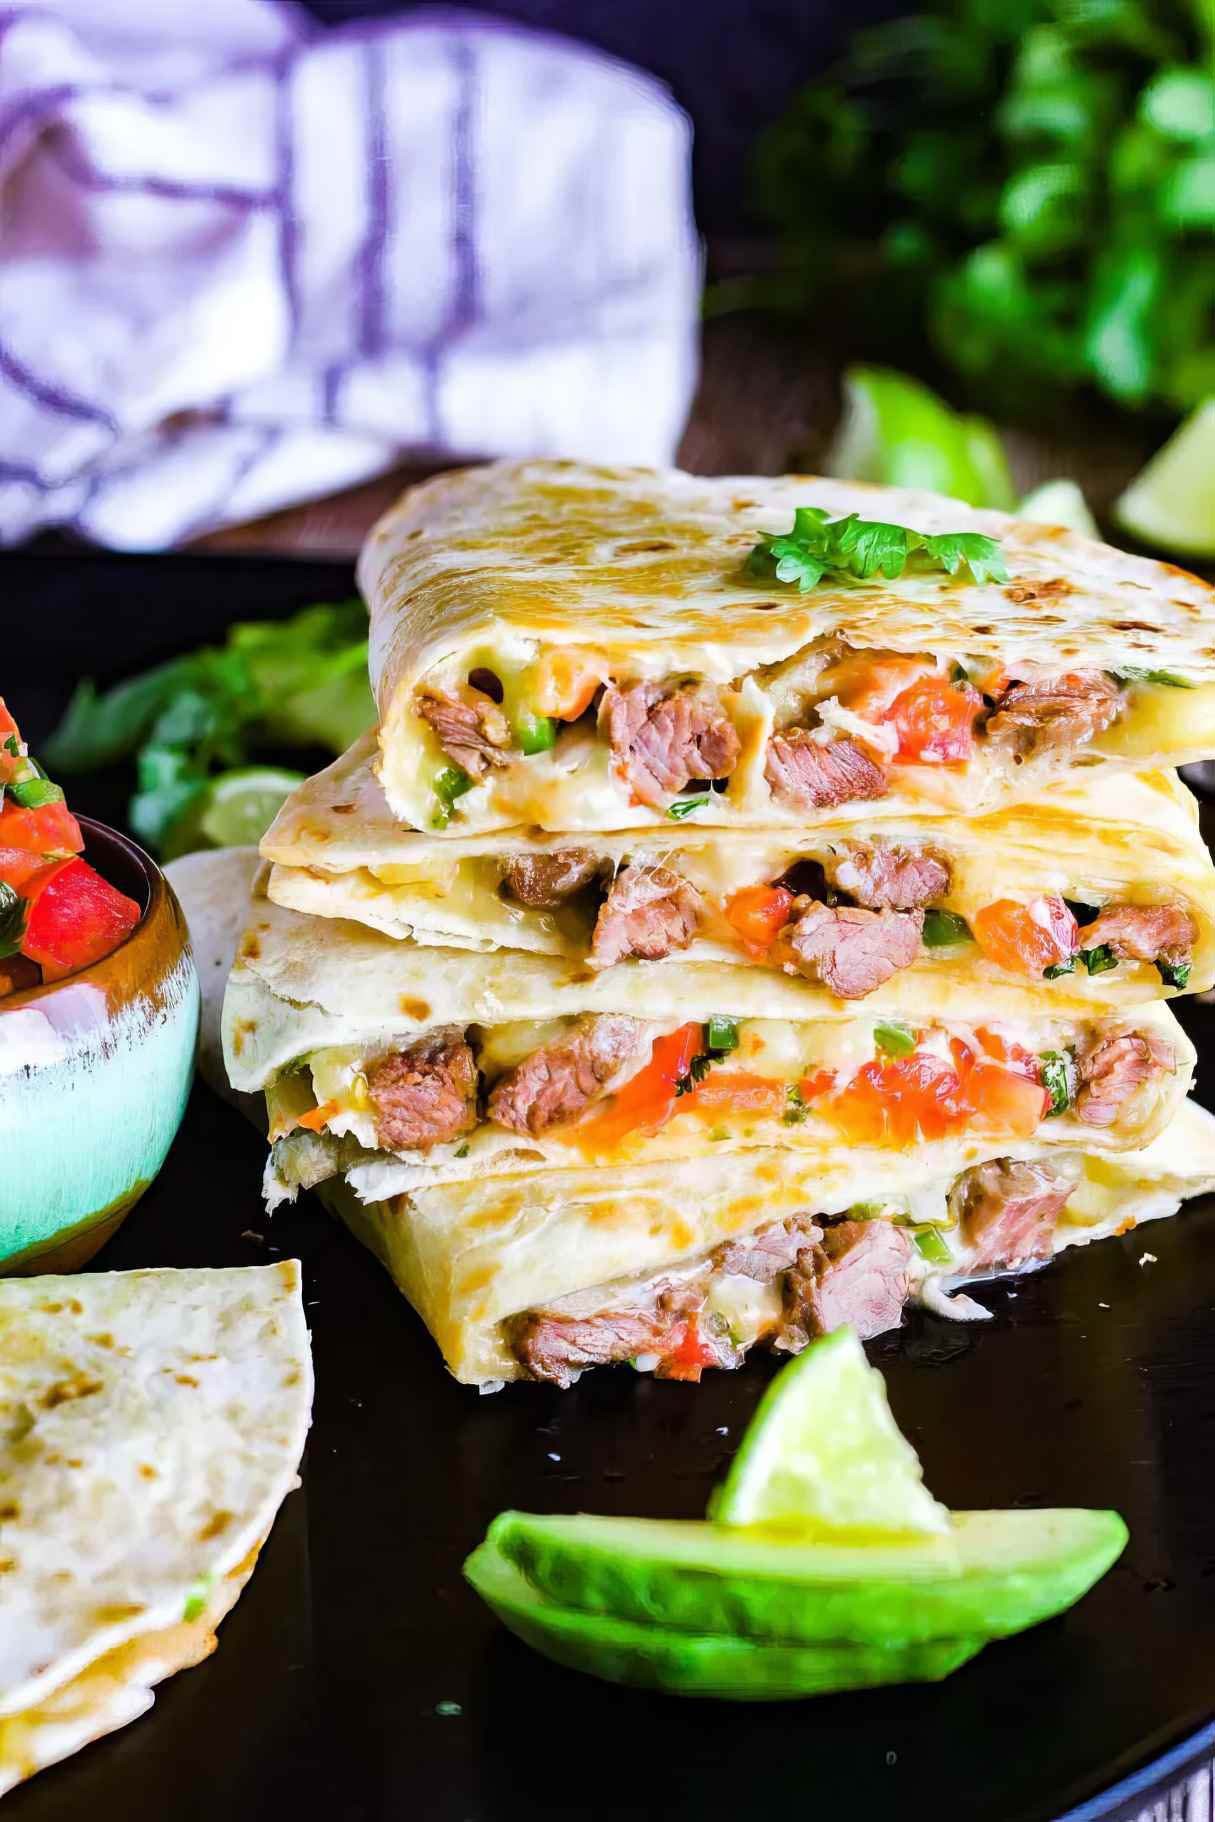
{"points": [[1122, 844], [401, 1067], [543, 1277], [590, 648], [151, 1424]]}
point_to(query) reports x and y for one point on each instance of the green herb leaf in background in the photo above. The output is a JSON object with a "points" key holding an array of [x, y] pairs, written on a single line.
{"points": [[1025, 191], [193, 722]]}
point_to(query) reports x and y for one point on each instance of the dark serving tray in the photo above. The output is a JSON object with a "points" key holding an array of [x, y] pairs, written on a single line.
{"points": [[359, 1678]]}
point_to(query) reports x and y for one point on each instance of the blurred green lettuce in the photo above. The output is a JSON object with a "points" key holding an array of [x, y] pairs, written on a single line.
{"points": [[1027, 186]]}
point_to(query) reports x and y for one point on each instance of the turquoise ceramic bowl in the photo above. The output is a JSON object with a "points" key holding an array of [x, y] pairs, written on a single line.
{"points": [[94, 1075]]}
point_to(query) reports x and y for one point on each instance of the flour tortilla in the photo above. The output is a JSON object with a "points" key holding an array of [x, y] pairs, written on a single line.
{"points": [[303, 985], [337, 851], [646, 571], [471, 1257], [151, 1424]]}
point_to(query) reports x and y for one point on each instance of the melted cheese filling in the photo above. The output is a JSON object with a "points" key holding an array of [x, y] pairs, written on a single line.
{"points": [[793, 1056]]}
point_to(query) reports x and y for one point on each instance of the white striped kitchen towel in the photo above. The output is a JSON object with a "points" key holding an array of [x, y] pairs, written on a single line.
{"points": [[246, 261]]}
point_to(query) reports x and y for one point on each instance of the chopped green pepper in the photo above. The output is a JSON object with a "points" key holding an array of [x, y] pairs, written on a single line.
{"points": [[684, 806], [1057, 1080], [535, 733], [33, 793], [450, 783], [1057, 968], [1099, 959], [944, 927], [797, 1111], [932, 1247], [12, 920], [721, 1033], [895, 1040], [1173, 974]]}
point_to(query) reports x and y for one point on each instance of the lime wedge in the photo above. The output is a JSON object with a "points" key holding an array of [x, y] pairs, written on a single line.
{"points": [[898, 433], [235, 810], [824, 1450], [1059, 503], [1171, 504]]}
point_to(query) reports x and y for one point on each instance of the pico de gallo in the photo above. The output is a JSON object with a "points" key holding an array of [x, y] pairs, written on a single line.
{"points": [[57, 913]]}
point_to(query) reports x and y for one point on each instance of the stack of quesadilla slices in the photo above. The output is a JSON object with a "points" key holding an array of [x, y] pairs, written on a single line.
{"points": [[711, 946]]}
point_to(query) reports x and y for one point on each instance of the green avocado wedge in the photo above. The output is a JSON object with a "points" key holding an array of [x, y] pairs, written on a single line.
{"points": [[648, 1656], [991, 1574]]}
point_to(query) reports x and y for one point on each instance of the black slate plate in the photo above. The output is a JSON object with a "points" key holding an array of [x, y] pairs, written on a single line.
{"points": [[334, 1685]]}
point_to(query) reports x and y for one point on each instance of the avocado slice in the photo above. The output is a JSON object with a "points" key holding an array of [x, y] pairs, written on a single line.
{"points": [[991, 1574], [648, 1656]]}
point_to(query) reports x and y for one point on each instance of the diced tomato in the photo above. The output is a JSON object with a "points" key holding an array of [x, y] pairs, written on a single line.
{"points": [[1029, 938], [563, 683], [935, 721], [647, 1100], [1013, 1056], [8, 731], [18, 866], [759, 914], [821, 1082], [17, 973], [893, 1103], [49, 830], [74, 918], [1005, 1100], [689, 1356], [734, 1091], [869, 682], [318, 1117]]}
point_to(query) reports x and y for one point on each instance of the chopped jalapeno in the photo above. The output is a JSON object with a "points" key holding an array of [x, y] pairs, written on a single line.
{"points": [[34, 793], [1057, 1080], [684, 806], [795, 1113], [461, 1152], [1099, 959], [932, 1247], [721, 1033], [450, 783], [1173, 974], [1057, 968], [895, 1040], [535, 733], [944, 927], [12, 920]]}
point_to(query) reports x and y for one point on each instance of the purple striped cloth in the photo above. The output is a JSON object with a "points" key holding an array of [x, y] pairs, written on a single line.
{"points": [[245, 261]]}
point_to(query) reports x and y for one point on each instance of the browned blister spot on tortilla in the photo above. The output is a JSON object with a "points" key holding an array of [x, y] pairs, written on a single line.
{"points": [[65, 1391], [414, 1008], [250, 947], [146, 1471], [113, 1613], [9, 1510], [185, 1379], [215, 1526]]}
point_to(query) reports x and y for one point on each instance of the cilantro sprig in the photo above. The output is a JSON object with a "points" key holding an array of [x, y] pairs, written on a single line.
{"points": [[857, 549]]}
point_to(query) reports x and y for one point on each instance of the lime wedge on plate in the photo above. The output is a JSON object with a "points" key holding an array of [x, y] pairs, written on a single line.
{"points": [[235, 810], [1059, 503], [823, 1449], [1171, 504], [900, 434]]}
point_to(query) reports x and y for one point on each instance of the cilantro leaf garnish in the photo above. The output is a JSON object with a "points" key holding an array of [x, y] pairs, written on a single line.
{"points": [[858, 548]]}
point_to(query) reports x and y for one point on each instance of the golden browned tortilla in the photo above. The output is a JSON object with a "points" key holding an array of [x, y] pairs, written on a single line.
{"points": [[476, 579]]}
